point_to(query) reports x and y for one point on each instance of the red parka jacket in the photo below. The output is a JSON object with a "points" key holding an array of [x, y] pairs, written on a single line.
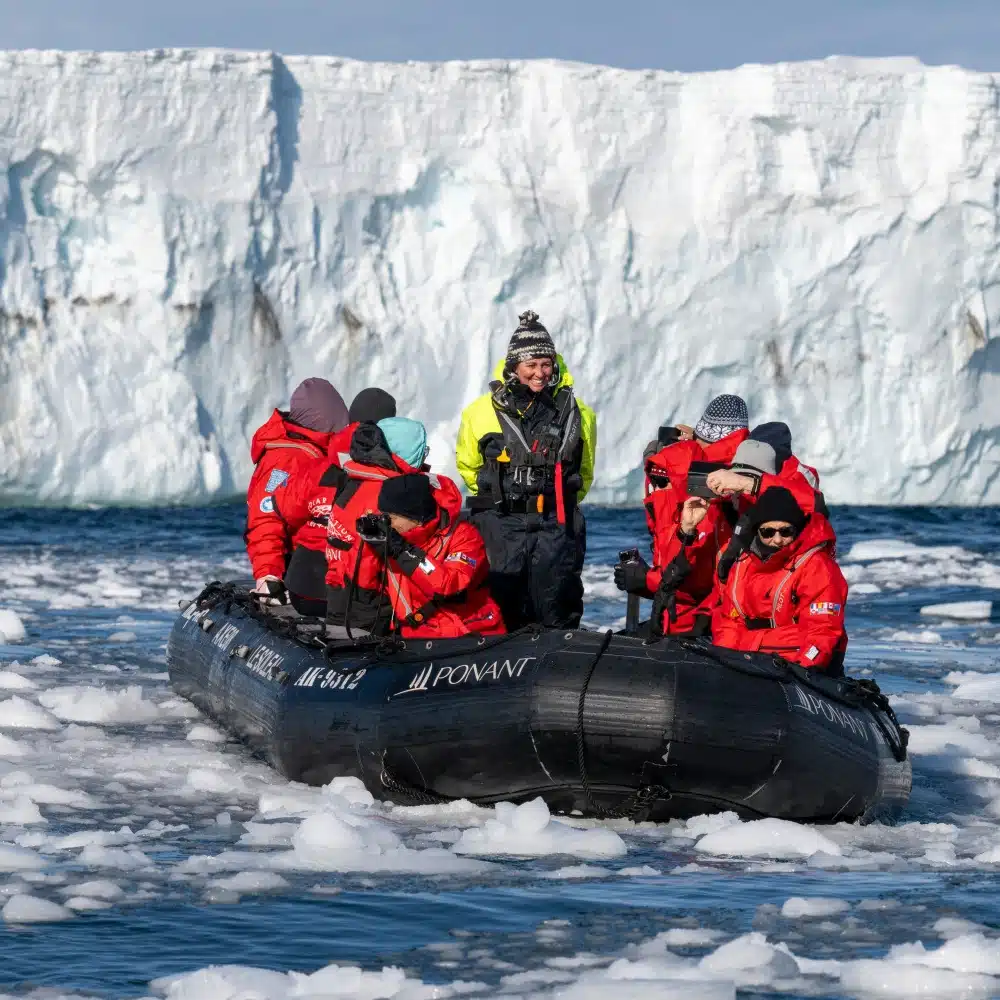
{"points": [[284, 455], [693, 558], [438, 583], [436, 586], [792, 604], [801, 480]]}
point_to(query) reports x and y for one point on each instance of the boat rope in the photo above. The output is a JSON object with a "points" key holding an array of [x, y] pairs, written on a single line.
{"points": [[853, 692], [643, 798], [422, 796]]}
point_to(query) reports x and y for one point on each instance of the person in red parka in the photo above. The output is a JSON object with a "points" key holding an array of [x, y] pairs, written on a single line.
{"points": [[785, 594], [289, 525], [684, 552], [433, 563], [284, 449]]}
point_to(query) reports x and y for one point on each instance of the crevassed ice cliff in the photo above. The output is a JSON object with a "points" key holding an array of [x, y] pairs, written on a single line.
{"points": [[184, 235]]}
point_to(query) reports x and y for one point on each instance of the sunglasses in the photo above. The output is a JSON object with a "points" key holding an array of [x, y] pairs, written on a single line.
{"points": [[787, 532]]}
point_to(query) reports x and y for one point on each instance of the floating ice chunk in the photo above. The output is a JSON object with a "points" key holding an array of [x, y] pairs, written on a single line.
{"points": [[676, 937], [638, 871], [528, 830], [10, 749], [882, 548], [246, 882], [20, 811], [816, 906], [83, 904], [971, 686], [947, 736], [45, 661], [954, 927], [228, 982], [217, 781], [923, 637], [751, 961], [34, 910], [16, 713], [11, 626], [767, 838], [97, 888], [122, 637], [19, 859], [206, 734], [333, 840], [96, 856], [99, 705], [964, 610], [11, 680], [578, 871]]}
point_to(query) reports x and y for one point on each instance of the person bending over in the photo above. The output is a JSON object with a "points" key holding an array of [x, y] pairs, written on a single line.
{"points": [[785, 594], [433, 564], [526, 451]]}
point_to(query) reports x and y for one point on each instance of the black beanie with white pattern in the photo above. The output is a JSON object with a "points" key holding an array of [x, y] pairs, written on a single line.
{"points": [[530, 340], [725, 415]]}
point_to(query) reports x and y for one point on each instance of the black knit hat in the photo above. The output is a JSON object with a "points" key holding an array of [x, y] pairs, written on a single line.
{"points": [[411, 496], [530, 340], [372, 405], [777, 504], [778, 436]]}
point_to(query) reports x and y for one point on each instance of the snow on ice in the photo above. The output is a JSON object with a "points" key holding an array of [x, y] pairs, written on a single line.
{"points": [[187, 234]]}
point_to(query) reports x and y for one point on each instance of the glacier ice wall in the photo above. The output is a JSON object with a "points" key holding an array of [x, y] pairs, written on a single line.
{"points": [[186, 234]]}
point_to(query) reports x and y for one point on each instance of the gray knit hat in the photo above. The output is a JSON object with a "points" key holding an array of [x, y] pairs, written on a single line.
{"points": [[725, 415], [756, 455], [530, 340]]}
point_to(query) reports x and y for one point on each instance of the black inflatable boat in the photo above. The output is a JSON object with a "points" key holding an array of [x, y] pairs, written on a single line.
{"points": [[596, 723]]}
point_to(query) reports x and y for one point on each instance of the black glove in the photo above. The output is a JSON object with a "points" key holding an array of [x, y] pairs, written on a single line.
{"points": [[665, 598], [395, 543], [373, 528], [631, 577]]}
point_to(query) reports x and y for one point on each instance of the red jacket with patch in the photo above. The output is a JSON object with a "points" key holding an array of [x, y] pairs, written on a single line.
{"points": [[793, 604], [436, 586], [284, 455]]}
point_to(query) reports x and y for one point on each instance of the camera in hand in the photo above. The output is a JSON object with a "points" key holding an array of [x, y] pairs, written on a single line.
{"points": [[626, 556], [372, 527], [697, 479]]}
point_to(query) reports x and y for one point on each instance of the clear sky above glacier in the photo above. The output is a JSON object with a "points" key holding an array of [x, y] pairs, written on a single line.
{"points": [[668, 34]]}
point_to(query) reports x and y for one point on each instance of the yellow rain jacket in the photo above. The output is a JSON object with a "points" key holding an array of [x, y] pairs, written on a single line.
{"points": [[479, 419]]}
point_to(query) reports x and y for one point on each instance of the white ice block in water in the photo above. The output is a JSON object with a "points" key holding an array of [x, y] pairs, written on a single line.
{"points": [[200, 227], [11, 626], [964, 610]]}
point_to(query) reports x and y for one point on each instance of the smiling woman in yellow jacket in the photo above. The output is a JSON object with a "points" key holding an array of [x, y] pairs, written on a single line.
{"points": [[526, 451]]}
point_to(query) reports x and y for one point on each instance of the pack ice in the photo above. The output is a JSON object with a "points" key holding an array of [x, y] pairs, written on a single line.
{"points": [[186, 234]]}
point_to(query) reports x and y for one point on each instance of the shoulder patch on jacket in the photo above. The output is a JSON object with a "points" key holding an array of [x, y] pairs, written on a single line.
{"points": [[462, 558], [267, 505], [277, 478], [824, 608]]}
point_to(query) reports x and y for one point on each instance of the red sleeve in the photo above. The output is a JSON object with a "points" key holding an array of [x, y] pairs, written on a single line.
{"points": [[275, 514], [822, 594], [461, 568]]}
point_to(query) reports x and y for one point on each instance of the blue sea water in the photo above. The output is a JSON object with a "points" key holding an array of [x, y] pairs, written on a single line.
{"points": [[97, 591]]}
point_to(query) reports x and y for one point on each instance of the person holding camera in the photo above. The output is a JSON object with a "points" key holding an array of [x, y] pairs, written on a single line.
{"points": [[428, 564], [685, 551], [354, 595], [526, 452]]}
